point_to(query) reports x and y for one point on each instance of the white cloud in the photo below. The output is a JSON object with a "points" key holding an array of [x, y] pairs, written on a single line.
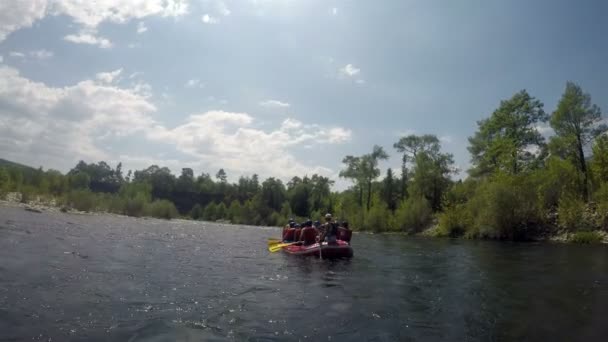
{"points": [[15, 15], [88, 37], [349, 70], [16, 54], [1, 59], [333, 11], [108, 77], [447, 139], [141, 27], [544, 129], [274, 104], [194, 83], [92, 13], [57, 126], [207, 19], [228, 140], [36, 54], [41, 54], [360, 81]]}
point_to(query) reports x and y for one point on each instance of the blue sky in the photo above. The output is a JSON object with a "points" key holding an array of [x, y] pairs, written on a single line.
{"points": [[278, 88]]}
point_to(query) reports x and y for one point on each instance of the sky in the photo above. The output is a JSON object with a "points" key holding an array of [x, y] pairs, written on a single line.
{"points": [[278, 87]]}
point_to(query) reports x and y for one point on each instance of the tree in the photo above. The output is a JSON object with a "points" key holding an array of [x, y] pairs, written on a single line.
{"points": [[410, 146], [354, 171], [371, 171], [431, 176], [599, 163], [388, 193], [577, 122], [221, 176], [363, 170], [273, 193], [509, 139]]}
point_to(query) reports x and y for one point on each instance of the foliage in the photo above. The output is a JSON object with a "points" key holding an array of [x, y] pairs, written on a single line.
{"points": [[571, 212], [161, 209], [197, 212], [83, 200], [585, 237], [506, 140], [413, 215], [454, 221], [576, 122], [504, 207]]}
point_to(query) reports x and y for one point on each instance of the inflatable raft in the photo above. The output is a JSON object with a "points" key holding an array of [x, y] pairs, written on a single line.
{"points": [[341, 249]]}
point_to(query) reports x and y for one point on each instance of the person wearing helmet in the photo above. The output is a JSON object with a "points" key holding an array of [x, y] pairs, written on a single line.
{"points": [[329, 230]]}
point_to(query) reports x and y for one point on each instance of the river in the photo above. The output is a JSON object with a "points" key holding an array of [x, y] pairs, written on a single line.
{"points": [[72, 277]]}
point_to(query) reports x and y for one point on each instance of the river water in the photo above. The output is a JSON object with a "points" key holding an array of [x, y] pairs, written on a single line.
{"points": [[77, 277]]}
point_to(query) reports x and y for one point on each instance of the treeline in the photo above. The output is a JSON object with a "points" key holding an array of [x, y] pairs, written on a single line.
{"points": [[521, 184], [156, 192]]}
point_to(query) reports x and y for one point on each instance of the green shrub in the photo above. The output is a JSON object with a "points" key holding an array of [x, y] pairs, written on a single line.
{"points": [[585, 237], [504, 207], [209, 214], [454, 221], [601, 200], [570, 213], [135, 206], [161, 209], [378, 218], [413, 215], [197, 212], [82, 200]]}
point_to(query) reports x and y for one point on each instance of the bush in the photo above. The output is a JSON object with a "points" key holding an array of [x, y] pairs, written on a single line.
{"points": [[135, 206], [82, 200], [504, 207], [197, 212], [454, 221], [413, 215], [161, 209], [601, 201], [209, 214], [570, 213], [585, 237], [378, 218]]}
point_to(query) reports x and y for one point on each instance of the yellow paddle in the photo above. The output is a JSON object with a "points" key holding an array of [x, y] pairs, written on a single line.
{"points": [[273, 241], [277, 247]]}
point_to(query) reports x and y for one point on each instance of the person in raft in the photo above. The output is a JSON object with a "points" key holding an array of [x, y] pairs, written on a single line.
{"points": [[329, 230]]}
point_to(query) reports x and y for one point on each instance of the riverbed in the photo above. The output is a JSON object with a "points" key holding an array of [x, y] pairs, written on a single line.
{"points": [[75, 277]]}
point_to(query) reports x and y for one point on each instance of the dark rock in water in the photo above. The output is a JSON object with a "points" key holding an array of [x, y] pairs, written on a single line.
{"points": [[64, 209], [34, 210]]}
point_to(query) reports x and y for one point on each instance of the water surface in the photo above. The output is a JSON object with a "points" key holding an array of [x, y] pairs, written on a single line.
{"points": [[107, 278]]}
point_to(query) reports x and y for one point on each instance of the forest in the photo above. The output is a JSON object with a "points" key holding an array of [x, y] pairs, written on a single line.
{"points": [[522, 184]]}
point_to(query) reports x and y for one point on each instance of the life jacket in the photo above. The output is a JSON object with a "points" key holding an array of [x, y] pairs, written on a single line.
{"points": [[288, 234], [344, 234], [308, 235], [296, 235], [332, 229]]}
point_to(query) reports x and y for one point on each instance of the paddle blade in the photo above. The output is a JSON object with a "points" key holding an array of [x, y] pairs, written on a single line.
{"points": [[273, 241], [279, 246]]}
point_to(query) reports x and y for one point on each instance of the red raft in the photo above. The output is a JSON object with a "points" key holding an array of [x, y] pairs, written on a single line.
{"points": [[341, 249]]}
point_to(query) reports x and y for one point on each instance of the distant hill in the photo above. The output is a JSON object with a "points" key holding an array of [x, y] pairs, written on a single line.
{"points": [[4, 162]]}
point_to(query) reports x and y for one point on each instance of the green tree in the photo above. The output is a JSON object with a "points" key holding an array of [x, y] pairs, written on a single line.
{"points": [[509, 140], [599, 163], [221, 176], [577, 122], [388, 191], [273, 193]]}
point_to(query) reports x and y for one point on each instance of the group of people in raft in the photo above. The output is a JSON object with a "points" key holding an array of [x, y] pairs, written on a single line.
{"points": [[310, 232]]}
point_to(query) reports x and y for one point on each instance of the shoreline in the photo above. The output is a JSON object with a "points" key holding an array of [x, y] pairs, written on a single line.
{"points": [[41, 207]]}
